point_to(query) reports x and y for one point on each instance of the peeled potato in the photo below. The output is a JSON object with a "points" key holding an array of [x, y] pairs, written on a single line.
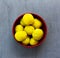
{"points": [[33, 41], [29, 30], [28, 19], [37, 34], [19, 28], [26, 41], [22, 23], [20, 36], [37, 23]]}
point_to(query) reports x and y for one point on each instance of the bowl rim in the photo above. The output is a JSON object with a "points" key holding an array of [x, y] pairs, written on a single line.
{"points": [[44, 35]]}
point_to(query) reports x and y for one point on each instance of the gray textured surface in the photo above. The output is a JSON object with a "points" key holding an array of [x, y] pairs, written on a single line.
{"points": [[48, 9]]}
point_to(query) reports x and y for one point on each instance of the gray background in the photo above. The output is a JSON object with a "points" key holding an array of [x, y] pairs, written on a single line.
{"points": [[48, 9]]}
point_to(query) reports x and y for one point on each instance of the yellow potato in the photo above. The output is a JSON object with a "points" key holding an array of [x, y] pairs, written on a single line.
{"points": [[33, 41], [28, 19], [26, 41], [29, 29], [37, 34], [19, 28], [20, 36], [22, 23], [37, 23]]}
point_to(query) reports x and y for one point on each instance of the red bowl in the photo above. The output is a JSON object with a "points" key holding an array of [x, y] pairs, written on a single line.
{"points": [[44, 27]]}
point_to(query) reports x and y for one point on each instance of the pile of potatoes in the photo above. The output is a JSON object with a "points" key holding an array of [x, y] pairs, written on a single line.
{"points": [[28, 31]]}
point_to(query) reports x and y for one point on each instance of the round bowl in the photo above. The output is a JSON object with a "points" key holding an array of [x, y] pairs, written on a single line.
{"points": [[44, 27]]}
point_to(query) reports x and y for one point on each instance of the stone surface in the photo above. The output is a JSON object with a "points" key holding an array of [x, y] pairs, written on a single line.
{"points": [[48, 9]]}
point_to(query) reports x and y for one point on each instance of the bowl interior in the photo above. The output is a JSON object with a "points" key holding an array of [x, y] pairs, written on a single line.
{"points": [[44, 27]]}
